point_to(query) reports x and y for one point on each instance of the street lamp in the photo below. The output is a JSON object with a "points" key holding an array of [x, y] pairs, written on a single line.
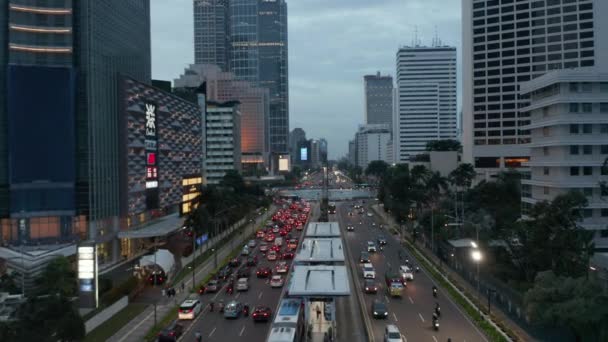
{"points": [[477, 256]]}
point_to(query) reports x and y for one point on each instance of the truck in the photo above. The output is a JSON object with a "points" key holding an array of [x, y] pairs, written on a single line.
{"points": [[394, 283]]}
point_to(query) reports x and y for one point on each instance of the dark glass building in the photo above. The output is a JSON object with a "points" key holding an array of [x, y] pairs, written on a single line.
{"points": [[257, 51], [60, 66]]}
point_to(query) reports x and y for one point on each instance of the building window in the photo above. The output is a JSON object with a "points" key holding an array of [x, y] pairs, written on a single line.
{"points": [[587, 213], [587, 87], [587, 171], [605, 214], [545, 171], [588, 192], [588, 128], [545, 150], [573, 129], [587, 107], [604, 171], [574, 149], [604, 128], [546, 190], [587, 149], [574, 108], [574, 171], [604, 149], [604, 232], [604, 87], [546, 131], [574, 87]]}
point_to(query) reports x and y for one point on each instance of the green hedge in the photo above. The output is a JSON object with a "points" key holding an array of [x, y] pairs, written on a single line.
{"points": [[124, 289], [491, 332]]}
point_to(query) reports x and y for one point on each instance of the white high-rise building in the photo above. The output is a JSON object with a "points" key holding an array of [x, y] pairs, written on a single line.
{"points": [[378, 99], [372, 143], [506, 43], [425, 98], [569, 142], [222, 132]]}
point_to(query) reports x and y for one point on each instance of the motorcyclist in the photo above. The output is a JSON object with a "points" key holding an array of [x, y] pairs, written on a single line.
{"points": [[211, 305], [434, 291], [198, 337], [437, 309], [246, 310]]}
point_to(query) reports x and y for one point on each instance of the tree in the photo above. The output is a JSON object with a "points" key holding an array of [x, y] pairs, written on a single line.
{"points": [[376, 168], [462, 176], [49, 318], [58, 277], [232, 179], [444, 145], [578, 303]]}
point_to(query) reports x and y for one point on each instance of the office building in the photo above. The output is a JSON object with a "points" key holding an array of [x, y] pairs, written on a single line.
{"points": [[568, 112], [211, 34], [254, 107], [315, 153], [222, 140], [426, 99], [257, 51], [378, 99], [505, 44], [296, 137], [56, 191], [372, 143]]}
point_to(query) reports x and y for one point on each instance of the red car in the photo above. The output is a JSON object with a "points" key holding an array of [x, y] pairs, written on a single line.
{"points": [[260, 234], [270, 238], [283, 232], [261, 314], [288, 255], [275, 248], [263, 272]]}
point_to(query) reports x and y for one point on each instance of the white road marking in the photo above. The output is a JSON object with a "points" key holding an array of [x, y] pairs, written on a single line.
{"points": [[237, 295], [395, 317], [242, 330], [389, 264], [260, 295], [422, 318], [403, 337], [386, 298], [411, 300], [435, 338], [212, 331]]}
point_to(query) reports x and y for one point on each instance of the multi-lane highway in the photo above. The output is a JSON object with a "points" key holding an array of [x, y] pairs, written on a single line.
{"points": [[412, 313]]}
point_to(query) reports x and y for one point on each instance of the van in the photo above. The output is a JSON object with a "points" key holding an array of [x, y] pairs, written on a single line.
{"points": [[278, 241]]}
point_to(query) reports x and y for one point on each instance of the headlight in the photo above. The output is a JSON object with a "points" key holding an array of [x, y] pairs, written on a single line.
{"points": [[375, 313], [386, 314]]}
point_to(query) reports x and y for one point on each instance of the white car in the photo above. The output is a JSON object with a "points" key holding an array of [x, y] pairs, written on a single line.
{"points": [[392, 334], [406, 273], [189, 309], [251, 244], [282, 267], [368, 271], [272, 256], [263, 247], [242, 284], [371, 246], [369, 214], [276, 281], [245, 250]]}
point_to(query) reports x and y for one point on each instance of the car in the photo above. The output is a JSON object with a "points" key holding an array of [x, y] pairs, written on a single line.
{"points": [[275, 229], [242, 284], [282, 267], [261, 314], [392, 334], [260, 234], [381, 240], [251, 244], [189, 309], [363, 257], [244, 272], [369, 214], [263, 272], [275, 248], [235, 262], [371, 246], [288, 255], [233, 309], [406, 272], [212, 286], [278, 241], [276, 281], [252, 261], [293, 244], [269, 238], [370, 286], [368, 271], [272, 255], [263, 247], [379, 309], [171, 333], [224, 273], [350, 228], [245, 250]]}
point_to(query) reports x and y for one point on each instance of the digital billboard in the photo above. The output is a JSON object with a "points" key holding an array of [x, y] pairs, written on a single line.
{"points": [[284, 163], [304, 153]]}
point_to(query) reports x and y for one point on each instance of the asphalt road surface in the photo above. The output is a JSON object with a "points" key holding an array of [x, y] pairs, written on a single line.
{"points": [[411, 313]]}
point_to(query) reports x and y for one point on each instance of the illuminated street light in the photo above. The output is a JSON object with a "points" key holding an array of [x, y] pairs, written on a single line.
{"points": [[476, 255]]}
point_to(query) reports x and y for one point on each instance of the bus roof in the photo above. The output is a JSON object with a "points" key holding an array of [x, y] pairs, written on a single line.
{"points": [[282, 334], [289, 311]]}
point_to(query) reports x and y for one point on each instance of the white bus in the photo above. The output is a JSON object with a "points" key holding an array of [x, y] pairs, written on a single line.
{"points": [[288, 324]]}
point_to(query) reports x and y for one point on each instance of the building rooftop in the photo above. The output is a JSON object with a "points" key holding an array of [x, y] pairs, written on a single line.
{"points": [[320, 250], [323, 229], [161, 227], [319, 281]]}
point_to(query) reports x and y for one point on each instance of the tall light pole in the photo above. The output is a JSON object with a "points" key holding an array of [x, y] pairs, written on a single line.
{"points": [[477, 256]]}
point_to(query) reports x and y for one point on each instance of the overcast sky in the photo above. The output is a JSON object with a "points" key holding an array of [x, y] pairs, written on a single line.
{"points": [[332, 44]]}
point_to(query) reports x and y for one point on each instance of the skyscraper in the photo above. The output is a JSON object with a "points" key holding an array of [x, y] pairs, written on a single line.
{"points": [[505, 44], [426, 99], [378, 99], [60, 153], [371, 143], [211, 33], [296, 137], [257, 52]]}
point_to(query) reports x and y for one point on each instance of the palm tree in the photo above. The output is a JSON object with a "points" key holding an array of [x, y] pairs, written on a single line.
{"points": [[462, 178]]}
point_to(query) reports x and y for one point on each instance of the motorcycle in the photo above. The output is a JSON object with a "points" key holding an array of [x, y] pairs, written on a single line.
{"points": [[417, 269], [229, 290], [435, 292], [381, 248], [438, 311], [221, 307], [436, 325], [246, 310]]}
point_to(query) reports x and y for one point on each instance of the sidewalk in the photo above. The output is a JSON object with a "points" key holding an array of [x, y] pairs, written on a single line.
{"points": [[455, 278], [136, 329]]}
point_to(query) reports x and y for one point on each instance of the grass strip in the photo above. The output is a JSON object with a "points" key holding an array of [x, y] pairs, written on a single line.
{"points": [[108, 328]]}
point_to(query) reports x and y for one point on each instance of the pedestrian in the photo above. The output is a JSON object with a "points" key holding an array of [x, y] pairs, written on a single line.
{"points": [[162, 292], [318, 312], [183, 286]]}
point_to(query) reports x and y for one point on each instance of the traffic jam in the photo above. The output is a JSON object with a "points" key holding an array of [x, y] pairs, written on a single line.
{"points": [[263, 262]]}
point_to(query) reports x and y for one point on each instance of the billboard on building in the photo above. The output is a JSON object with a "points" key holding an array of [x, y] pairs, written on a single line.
{"points": [[284, 163], [304, 153]]}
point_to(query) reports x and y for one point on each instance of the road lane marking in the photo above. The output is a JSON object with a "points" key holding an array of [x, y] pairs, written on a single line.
{"points": [[410, 298], [260, 295], [395, 317], [212, 331], [389, 264], [237, 295], [386, 298], [422, 318], [135, 327], [435, 338], [403, 337], [242, 330]]}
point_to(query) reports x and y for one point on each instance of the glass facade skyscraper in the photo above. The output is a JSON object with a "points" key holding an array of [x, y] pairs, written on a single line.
{"points": [[257, 52], [211, 33]]}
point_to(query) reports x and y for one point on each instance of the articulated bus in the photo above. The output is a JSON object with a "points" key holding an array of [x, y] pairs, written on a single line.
{"points": [[288, 324], [331, 208]]}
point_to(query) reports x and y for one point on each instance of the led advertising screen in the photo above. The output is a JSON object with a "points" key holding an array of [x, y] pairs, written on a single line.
{"points": [[304, 153], [284, 164]]}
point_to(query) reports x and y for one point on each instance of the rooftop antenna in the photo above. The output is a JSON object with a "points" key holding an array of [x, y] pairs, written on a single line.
{"points": [[415, 44]]}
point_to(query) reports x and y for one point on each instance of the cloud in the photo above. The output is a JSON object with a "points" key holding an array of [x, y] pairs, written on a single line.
{"points": [[332, 44]]}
